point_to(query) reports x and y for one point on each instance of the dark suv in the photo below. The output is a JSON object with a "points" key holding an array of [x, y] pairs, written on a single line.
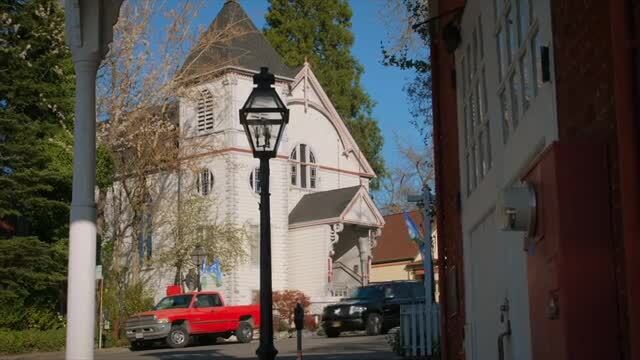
{"points": [[374, 308]]}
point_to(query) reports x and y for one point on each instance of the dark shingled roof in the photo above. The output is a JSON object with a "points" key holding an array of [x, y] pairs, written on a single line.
{"points": [[322, 205], [246, 46]]}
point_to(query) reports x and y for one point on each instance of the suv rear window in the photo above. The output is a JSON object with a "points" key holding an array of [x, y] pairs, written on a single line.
{"points": [[401, 291], [368, 292]]}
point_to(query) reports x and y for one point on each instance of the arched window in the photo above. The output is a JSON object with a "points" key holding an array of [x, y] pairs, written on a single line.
{"points": [[145, 231], [204, 181], [205, 111], [304, 171]]}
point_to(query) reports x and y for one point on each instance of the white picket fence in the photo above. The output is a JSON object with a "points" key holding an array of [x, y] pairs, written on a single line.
{"points": [[419, 329]]}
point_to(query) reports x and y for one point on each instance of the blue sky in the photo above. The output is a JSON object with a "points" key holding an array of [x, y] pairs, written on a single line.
{"points": [[384, 84]]}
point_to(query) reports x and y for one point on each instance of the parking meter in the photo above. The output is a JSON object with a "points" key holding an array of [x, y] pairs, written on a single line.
{"points": [[298, 319]]}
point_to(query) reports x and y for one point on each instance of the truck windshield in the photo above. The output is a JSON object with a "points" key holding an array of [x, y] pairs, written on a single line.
{"points": [[174, 302], [369, 292]]}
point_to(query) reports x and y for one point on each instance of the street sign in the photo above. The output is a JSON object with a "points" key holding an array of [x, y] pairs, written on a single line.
{"points": [[98, 272]]}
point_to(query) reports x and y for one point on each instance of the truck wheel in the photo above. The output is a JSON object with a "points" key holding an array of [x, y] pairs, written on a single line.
{"points": [[331, 333], [374, 324], [244, 333], [178, 337]]}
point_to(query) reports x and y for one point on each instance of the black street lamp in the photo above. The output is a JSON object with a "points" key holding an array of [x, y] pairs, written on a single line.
{"points": [[264, 117], [198, 256]]}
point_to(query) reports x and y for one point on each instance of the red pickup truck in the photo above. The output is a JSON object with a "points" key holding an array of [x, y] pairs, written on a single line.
{"points": [[177, 319]]}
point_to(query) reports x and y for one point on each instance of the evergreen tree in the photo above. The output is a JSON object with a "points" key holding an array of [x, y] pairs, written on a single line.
{"points": [[32, 283], [320, 31], [36, 113]]}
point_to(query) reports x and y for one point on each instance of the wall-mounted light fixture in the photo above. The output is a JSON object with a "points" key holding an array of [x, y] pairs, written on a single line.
{"points": [[451, 31], [451, 35], [517, 209]]}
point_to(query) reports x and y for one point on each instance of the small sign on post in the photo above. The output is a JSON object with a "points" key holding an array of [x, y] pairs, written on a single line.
{"points": [[98, 272]]}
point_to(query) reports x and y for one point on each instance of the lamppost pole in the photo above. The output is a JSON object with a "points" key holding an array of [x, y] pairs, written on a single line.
{"points": [[266, 350], [198, 274], [198, 256], [264, 116]]}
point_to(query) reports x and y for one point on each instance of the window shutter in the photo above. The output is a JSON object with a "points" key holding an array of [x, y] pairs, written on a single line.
{"points": [[205, 111]]}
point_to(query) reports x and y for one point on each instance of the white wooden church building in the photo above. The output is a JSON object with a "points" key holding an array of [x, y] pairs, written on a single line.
{"points": [[324, 222]]}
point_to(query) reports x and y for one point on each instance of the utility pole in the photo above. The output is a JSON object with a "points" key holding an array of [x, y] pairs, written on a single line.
{"points": [[89, 30], [424, 202]]}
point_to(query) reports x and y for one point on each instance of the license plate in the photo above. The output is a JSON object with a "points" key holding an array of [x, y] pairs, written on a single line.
{"points": [[139, 335], [336, 324]]}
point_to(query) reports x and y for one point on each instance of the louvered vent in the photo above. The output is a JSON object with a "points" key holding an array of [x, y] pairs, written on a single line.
{"points": [[205, 111]]}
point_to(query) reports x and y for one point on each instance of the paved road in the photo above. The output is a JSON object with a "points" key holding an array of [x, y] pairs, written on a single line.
{"points": [[315, 348]]}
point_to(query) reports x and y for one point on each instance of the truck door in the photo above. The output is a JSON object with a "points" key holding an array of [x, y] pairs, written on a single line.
{"points": [[208, 311]]}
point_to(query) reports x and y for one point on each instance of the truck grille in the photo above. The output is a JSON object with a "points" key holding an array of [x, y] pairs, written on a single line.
{"points": [[141, 320], [336, 311]]}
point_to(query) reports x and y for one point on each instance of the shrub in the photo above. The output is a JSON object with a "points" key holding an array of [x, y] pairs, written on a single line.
{"points": [[283, 326], [43, 319], [310, 322], [393, 339], [14, 342], [120, 302], [285, 303]]}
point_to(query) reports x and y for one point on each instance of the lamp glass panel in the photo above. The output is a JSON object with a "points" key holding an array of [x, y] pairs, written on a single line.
{"points": [[264, 136], [264, 99]]}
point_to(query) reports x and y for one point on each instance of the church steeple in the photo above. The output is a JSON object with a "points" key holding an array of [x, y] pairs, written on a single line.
{"points": [[233, 40]]}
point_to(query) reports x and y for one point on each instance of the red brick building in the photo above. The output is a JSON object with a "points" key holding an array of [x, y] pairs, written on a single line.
{"points": [[543, 93]]}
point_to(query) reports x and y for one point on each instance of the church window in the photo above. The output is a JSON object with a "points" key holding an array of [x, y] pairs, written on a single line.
{"points": [[204, 182], [205, 111], [145, 232], [304, 171], [294, 175]]}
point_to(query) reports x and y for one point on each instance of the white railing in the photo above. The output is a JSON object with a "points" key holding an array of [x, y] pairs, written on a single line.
{"points": [[340, 290], [419, 329]]}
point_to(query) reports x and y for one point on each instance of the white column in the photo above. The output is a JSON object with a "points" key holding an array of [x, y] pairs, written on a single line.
{"points": [[82, 234], [364, 246], [89, 26]]}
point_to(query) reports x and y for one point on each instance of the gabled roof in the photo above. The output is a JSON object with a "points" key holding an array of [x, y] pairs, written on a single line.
{"points": [[351, 205], [309, 81], [233, 40], [322, 205], [395, 244]]}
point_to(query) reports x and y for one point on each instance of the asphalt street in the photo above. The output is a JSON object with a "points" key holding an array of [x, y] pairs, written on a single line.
{"points": [[356, 347]]}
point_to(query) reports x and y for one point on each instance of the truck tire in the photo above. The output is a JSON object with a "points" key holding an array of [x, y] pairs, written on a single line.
{"points": [[244, 332], [178, 336], [332, 333], [374, 324]]}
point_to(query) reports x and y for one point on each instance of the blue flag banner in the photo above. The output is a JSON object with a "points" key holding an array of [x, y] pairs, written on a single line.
{"points": [[213, 270], [413, 229]]}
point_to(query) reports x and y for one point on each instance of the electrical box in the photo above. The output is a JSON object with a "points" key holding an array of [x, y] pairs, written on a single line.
{"points": [[517, 209]]}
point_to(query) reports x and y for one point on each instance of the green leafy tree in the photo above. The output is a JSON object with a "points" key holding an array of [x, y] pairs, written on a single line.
{"points": [[36, 105], [320, 32]]}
